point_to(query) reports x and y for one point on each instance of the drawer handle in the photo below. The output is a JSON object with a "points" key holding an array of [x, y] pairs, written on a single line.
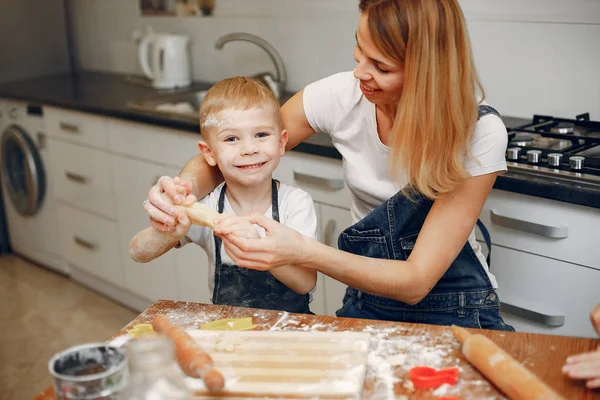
{"points": [[84, 243], [76, 178], [329, 229], [530, 314], [333, 184], [555, 232], [67, 127]]}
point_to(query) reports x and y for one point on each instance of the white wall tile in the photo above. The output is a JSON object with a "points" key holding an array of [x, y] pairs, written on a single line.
{"points": [[534, 56]]}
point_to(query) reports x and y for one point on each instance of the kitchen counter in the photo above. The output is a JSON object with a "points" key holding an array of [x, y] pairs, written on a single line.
{"points": [[108, 94], [544, 355]]}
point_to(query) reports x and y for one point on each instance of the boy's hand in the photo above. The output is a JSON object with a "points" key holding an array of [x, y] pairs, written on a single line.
{"points": [[229, 224], [182, 222], [162, 202]]}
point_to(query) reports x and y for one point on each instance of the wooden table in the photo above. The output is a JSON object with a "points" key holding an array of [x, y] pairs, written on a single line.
{"points": [[544, 355]]}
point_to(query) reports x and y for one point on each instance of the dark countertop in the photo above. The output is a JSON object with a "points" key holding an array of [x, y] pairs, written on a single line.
{"points": [[108, 94]]}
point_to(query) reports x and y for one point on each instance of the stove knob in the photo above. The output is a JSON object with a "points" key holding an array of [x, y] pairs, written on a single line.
{"points": [[576, 162], [554, 159], [533, 156], [513, 153]]}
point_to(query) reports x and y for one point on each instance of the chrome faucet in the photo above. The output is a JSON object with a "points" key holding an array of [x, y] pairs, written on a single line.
{"points": [[276, 84]]}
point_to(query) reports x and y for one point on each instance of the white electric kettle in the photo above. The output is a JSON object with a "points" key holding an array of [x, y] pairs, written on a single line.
{"points": [[169, 64]]}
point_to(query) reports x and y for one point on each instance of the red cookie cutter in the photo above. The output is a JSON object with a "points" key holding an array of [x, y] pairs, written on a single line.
{"points": [[427, 378]]}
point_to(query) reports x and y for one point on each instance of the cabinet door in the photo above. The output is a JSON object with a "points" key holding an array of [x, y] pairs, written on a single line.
{"points": [[544, 295], [192, 274], [156, 279], [333, 221]]}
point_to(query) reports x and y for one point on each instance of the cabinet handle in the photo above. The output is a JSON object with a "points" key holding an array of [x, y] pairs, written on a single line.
{"points": [[67, 127], [84, 243], [333, 184], [328, 235], [555, 232], [556, 318], [76, 177]]}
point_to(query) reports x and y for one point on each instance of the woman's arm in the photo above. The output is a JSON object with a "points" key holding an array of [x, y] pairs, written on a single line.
{"points": [[443, 235]]}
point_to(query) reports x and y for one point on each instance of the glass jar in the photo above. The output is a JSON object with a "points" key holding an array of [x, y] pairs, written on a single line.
{"points": [[153, 373]]}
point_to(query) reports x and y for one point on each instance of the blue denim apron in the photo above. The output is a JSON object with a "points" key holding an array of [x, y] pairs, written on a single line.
{"points": [[236, 286], [464, 295]]}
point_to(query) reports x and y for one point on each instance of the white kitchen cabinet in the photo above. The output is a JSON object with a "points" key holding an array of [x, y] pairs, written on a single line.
{"points": [[332, 221], [321, 177], [90, 243], [82, 177], [156, 279], [545, 261], [544, 295], [76, 127], [544, 227]]}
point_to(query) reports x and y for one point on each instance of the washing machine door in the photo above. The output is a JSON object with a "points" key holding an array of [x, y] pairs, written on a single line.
{"points": [[22, 171]]}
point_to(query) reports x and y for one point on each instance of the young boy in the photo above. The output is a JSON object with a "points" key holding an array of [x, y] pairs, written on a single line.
{"points": [[242, 130]]}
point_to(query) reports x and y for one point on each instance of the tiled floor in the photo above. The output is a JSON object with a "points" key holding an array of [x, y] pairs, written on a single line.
{"points": [[42, 313]]}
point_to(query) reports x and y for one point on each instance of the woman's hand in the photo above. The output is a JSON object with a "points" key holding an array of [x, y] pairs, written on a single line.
{"points": [[230, 224], [162, 202], [281, 245]]}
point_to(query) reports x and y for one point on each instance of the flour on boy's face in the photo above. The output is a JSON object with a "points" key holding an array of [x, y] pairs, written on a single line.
{"points": [[246, 144]]}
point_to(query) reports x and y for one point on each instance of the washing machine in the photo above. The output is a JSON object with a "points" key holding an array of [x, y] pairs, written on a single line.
{"points": [[26, 188]]}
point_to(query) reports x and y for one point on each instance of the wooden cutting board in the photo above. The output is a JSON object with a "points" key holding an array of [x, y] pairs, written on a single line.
{"points": [[327, 365]]}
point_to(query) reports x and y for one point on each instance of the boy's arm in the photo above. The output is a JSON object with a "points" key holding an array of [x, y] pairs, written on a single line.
{"points": [[301, 217], [150, 244]]}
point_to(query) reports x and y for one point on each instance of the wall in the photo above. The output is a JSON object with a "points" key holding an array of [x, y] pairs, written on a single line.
{"points": [[32, 39], [534, 56]]}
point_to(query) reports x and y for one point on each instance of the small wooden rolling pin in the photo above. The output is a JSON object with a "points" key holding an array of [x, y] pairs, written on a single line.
{"points": [[510, 376], [192, 360]]}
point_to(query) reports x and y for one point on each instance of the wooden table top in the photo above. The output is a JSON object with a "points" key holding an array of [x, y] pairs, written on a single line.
{"points": [[398, 346]]}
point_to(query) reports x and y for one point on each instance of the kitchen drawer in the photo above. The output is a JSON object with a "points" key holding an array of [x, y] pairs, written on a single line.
{"points": [[543, 295], [90, 243], [85, 129], [546, 227], [321, 177], [155, 144], [82, 177]]}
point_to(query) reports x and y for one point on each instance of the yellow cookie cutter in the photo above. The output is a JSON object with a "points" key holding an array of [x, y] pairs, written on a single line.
{"points": [[229, 324], [141, 330]]}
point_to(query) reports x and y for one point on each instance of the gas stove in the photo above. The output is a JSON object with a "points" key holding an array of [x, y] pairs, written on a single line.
{"points": [[565, 149]]}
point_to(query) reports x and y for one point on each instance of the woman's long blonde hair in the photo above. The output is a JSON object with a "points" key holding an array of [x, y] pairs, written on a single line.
{"points": [[436, 115]]}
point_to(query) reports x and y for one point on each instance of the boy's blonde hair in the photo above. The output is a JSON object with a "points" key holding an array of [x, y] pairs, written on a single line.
{"points": [[237, 93]]}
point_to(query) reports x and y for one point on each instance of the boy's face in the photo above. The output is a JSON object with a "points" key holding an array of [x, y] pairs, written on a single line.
{"points": [[245, 144]]}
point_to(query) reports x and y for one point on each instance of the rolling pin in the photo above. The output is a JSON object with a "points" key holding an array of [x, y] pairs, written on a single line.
{"points": [[201, 214], [190, 357], [510, 376]]}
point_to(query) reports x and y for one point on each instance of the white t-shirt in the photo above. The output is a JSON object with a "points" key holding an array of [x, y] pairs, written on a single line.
{"points": [[335, 105], [296, 210]]}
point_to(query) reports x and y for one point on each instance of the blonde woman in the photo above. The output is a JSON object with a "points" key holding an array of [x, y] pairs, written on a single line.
{"points": [[421, 153]]}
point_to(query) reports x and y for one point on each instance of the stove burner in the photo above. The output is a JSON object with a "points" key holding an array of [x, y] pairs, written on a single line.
{"points": [[522, 139], [563, 127]]}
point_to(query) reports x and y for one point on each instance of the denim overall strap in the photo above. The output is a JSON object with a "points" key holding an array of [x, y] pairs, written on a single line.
{"points": [[463, 296], [485, 110], [243, 287]]}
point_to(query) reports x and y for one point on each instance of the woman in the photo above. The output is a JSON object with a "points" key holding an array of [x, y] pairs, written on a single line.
{"points": [[410, 116]]}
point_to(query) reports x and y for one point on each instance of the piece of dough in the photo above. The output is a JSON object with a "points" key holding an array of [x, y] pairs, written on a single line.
{"points": [[201, 214]]}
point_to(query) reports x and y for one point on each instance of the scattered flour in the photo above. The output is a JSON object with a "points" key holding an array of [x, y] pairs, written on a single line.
{"points": [[495, 359]]}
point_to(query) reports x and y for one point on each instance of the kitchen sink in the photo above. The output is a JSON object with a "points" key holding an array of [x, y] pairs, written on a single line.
{"points": [[183, 104]]}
